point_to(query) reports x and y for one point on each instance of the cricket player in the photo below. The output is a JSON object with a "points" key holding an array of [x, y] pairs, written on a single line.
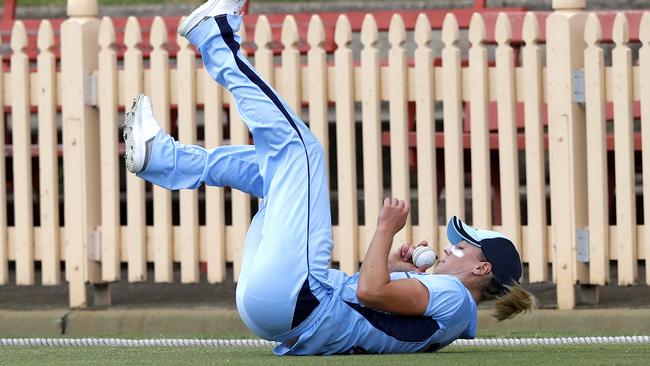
{"points": [[286, 292]]}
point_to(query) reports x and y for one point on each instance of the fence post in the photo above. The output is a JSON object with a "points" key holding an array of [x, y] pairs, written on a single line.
{"points": [[79, 59], [567, 151]]}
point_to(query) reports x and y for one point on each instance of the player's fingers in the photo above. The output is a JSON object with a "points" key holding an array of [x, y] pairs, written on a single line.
{"points": [[422, 269], [409, 254], [404, 249], [423, 243]]}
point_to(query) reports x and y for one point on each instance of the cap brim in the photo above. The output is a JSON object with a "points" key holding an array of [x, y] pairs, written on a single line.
{"points": [[458, 231]]}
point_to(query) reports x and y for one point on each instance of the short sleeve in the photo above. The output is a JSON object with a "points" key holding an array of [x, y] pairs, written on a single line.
{"points": [[446, 295]]}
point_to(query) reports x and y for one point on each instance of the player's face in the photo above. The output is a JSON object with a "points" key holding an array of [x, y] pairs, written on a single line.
{"points": [[461, 258]]}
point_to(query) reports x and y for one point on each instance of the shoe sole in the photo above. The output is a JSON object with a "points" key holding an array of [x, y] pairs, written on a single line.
{"points": [[132, 135], [191, 21]]}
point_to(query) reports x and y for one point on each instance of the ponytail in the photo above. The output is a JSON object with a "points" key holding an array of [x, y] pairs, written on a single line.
{"points": [[510, 300], [515, 301]]}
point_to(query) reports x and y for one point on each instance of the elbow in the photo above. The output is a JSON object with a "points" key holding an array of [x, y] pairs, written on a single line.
{"points": [[366, 295], [362, 294]]}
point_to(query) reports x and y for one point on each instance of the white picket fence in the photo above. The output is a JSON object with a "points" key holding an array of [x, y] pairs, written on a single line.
{"points": [[93, 86]]}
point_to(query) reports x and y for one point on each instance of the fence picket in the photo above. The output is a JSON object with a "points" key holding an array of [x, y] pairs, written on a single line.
{"points": [[4, 239], [189, 199], [536, 251], [263, 53], [107, 97], [624, 152], [290, 88], [241, 204], [22, 157], [48, 159], [373, 187], [317, 78], [425, 119], [162, 198], [135, 187], [345, 147], [508, 154], [453, 119], [215, 217], [398, 113], [596, 154], [479, 99], [644, 98]]}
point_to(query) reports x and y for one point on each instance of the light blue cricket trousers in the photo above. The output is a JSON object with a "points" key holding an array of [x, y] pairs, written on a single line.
{"points": [[288, 246]]}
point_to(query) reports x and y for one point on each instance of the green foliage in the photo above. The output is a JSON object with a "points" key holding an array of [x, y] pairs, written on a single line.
{"points": [[103, 2], [131, 2]]}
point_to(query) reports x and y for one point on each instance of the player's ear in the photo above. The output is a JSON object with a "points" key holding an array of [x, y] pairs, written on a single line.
{"points": [[482, 268]]}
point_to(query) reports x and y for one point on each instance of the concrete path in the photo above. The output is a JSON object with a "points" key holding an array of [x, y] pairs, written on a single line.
{"points": [[219, 323]]}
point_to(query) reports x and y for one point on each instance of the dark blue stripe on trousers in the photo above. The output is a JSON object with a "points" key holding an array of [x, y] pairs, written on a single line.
{"points": [[401, 327], [306, 302]]}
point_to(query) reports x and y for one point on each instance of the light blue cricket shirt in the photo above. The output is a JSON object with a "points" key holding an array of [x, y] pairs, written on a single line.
{"points": [[342, 325]]}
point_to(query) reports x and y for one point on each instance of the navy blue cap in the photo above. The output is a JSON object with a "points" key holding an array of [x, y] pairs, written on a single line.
{"points": [[498, 250]]}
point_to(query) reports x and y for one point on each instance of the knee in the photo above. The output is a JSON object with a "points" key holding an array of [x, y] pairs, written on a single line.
{"points": [[263, 311]]}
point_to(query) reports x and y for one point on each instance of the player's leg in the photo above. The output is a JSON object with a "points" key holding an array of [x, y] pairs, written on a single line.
{"points": [[286, 280], [156, 157]]}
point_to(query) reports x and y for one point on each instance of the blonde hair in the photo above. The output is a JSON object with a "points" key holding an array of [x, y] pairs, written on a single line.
{"points": [[509, 302], [515, 301]]}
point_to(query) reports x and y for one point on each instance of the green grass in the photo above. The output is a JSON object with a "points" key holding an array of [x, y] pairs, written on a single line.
{"points": [[529, 356]]}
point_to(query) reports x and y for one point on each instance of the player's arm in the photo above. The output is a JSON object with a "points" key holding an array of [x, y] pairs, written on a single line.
{"points": [[375, 289]]}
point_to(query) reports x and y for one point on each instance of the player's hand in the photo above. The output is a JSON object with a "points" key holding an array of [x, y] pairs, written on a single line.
{"points": [[393, 215], [400, 259]]}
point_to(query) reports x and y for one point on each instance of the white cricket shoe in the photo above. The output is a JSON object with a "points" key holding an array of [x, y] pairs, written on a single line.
{"points": [[140, 129], [210, 9]]}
